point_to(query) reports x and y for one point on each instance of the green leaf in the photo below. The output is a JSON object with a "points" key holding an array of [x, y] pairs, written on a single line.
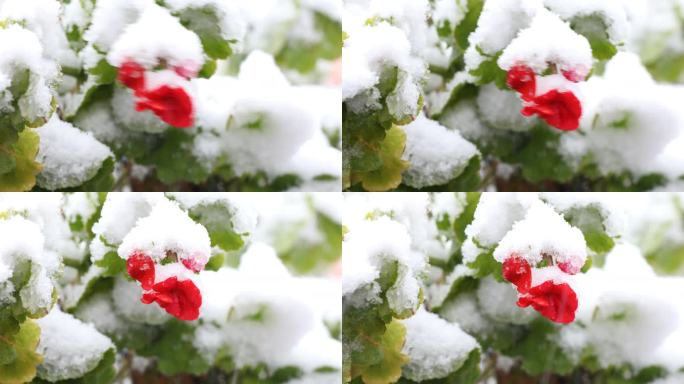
{"points": [[590, 221], [23, 176], [388, 369], [538, 351], [390, 151], [112, 264], [594, 28], [490, 72], [469, 23], [303, 56], [467, 215], [485, 264], [175, 161], [22, 368], [175, 352], [105, 72], [206, 23], [103, 181], [540, 159]]}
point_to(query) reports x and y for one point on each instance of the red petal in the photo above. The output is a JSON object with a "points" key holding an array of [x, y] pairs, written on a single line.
{"points": [[141, 268], [569, 268], [192, 265], [171, 104], [522, 79], [517, 270], [559, 109], [573, 76], [556, 302], [181, 299], [132, 75]]}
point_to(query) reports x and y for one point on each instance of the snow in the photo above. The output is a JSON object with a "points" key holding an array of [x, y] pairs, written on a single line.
{"points": [[157, 35], [436, 155], [543, 232], [21, 49], [629, 120], [120, 213], [258, 122], [435, 347], [43, 18], [167, 230], [69, 347], [501, 109], [548, 40], [110, 19], [69, 156], [497, 301], [370, 246], [371, 49]]}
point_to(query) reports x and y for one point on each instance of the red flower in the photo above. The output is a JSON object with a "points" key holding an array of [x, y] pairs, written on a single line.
{"points": [[141, 268], [559, 109], [569, 267], [132, 75], [193, 265], [171, 104], [181, 299], [556, 302], [517, 270], [522, 79], [573, 75]]}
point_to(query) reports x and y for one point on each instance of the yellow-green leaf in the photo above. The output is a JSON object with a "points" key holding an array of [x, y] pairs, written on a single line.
{"points": [[389, 175], [23, 176], [389, 369], [22, 369]]}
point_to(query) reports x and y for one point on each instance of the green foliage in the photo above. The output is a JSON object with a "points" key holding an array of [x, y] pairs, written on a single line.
{"points": [[542, 143], [594, 28], [206, 23], [303, 56], [18, 359], [382, 363], [538, 351], [469, 23], [590, 221], [174, 350], [389, 174], [103, 373], [174, 160], [21, 160], [112, 264], [304, 256], [466, 217]]}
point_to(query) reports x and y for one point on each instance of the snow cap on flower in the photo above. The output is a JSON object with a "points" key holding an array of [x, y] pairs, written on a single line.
{"points": [[155, 37], [548, 40], [543, 232], [168, 231]]}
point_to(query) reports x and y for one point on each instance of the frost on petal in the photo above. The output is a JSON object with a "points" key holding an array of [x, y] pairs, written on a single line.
{"points": [[70, 348], [141, 268], [518, 271], [132, 75]]}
